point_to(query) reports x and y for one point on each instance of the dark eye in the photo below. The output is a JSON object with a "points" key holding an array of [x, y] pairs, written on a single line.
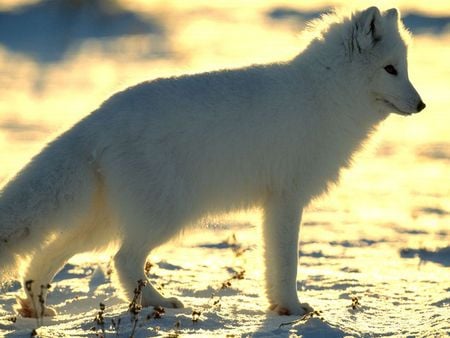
{"points": [[391, 69]]}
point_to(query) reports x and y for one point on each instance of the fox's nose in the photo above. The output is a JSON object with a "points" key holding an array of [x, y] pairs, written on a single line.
{"points": [[421, 106]]}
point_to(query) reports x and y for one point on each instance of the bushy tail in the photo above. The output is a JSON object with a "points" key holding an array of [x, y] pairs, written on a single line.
{"points": [[50, 191]]}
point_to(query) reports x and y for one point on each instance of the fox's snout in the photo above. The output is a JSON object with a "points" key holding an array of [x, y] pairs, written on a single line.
{"points": [[420, 106]]}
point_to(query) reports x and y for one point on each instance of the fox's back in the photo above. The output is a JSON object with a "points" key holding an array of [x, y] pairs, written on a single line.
{"points": [[219, 132]]}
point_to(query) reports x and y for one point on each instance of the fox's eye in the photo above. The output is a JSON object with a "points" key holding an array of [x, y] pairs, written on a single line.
{"points": [[391, 69]]}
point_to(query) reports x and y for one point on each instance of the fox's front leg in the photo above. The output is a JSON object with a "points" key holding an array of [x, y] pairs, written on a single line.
{"points": [[282, 216]]}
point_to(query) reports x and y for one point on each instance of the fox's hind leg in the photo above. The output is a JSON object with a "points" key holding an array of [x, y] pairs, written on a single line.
{"points": [[46, 263], [129, 262], [146, 205], [43, 267]]}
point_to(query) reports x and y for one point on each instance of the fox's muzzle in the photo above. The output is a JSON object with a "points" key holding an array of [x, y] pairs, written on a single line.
{"points": [[420, 106]]}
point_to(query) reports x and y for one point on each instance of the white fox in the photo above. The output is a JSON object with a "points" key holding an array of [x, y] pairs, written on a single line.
{"points": [[163, 154]]}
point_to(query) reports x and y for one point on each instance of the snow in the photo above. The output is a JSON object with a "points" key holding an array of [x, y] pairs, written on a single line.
{"points": [[374, 257]]}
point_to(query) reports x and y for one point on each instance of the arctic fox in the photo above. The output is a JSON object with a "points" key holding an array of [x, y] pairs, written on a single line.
{"points": [[163, 154]]}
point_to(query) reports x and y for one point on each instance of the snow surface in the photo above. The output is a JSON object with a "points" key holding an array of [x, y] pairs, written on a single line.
{"points": [[375, 254]]}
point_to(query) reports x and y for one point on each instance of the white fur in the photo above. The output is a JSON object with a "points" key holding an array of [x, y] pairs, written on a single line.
{"points": [[165, 153]]}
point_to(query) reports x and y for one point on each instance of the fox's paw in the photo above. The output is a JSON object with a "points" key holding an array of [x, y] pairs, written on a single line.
{"points": [[169, 303], [173, 303], [27, 310], [299, 309]]}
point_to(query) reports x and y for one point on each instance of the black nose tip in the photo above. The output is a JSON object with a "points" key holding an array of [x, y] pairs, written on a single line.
{"points": [[421, 106]]}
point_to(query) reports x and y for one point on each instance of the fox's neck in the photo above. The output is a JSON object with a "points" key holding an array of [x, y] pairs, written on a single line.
{"points": [[343, 117], [344, 96]]}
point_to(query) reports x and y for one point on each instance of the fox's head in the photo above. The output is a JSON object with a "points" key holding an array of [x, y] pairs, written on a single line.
{"points": [[379, 45]]}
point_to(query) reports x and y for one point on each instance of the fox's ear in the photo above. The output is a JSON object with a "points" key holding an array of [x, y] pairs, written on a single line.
{"points": [[392, 14], [368, 28]]}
